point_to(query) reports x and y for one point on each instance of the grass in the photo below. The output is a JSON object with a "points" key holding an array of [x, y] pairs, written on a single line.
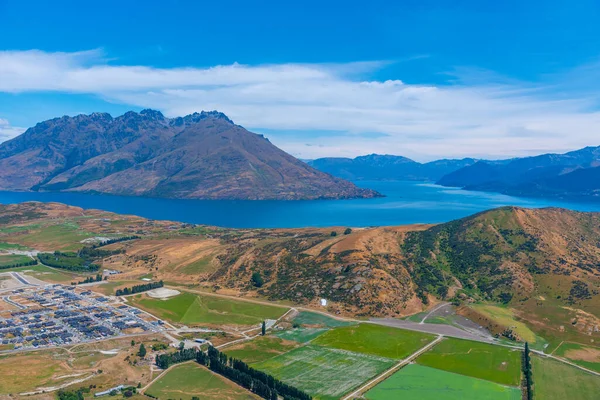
{"points": [[322, 372], [12, 246], [12, 259], [260, 349], [301, 335], [586, 356], [375, 339], [554, 380], [65, 236], [192, 380], [200, 266], [41, 370], [320, 320], [506, 317], [417, 382], [478, 360], [47, 274], [109, 288], [188, 308], [416, 317]]}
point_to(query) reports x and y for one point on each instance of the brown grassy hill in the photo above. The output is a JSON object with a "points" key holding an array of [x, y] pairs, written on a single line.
{"points": [[202, 156], [544, 264]]}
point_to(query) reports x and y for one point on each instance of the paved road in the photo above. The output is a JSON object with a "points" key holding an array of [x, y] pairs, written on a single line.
{"points": [[433, 310], [437, 329], [21, 279]]}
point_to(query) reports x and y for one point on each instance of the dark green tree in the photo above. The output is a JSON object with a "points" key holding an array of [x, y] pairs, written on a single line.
{"points": [[527, 374], [257, 280], [348, 231], [263, 328], [333, 233], [142, 351]]}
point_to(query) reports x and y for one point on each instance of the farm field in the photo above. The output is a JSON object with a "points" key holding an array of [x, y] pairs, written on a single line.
{"points": [[478, 360], [323, 372], [417, 382], [313, 319], [260, 349], [301, 335], [375, 340], [188, 308], [192, 380], [586, 356], [557, 381], [12, 259]]}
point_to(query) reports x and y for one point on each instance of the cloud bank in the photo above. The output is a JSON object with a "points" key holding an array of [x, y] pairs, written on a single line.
{"points": [[475, 116], [7, 131]]}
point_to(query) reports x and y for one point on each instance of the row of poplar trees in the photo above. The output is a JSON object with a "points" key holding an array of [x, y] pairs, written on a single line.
{"points": [[260, 383], [527, 374]]}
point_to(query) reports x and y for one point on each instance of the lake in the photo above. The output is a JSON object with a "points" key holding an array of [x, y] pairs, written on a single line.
{"points": [[405, 203]]}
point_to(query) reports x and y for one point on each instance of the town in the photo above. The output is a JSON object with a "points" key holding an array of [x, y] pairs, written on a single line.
{"points": [[47, 315]]}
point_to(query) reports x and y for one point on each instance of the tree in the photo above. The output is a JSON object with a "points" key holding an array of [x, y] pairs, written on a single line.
{"points": [[263, 329], [348, 231], [333, 233], [132, 343], [527, 375], [181, 345], [257, 280], [142, 352]]}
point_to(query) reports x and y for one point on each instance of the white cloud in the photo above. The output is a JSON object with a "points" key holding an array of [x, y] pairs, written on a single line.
{"points": [[7, 131], [479, 115]]}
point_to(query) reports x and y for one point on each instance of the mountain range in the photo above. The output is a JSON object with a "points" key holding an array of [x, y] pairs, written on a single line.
{"points": [[201, 156], [574, 174], [388, 167]]}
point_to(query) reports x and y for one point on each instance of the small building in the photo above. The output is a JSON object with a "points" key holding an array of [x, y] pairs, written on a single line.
{"points": [[324, 302]]}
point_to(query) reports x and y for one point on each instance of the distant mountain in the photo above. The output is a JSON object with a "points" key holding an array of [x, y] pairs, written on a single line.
{"points": [[388, 167], [202, 155], [569, 175]]}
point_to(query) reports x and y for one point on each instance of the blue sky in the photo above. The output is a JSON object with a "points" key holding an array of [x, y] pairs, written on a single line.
{"points": [[424, 79]]}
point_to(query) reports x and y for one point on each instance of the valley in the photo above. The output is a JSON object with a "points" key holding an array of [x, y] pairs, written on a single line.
{"points": [[402, 306]]}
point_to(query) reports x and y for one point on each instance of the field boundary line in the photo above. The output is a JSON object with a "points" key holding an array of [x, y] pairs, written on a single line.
{"points": [[248, 338], [557, 347], [395, 368], [142, 390], [560, 359]]}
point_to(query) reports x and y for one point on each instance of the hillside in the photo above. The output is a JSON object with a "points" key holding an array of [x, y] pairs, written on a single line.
{"points": [[200, 156], [388, 167], [570, 175], [543, 262]]}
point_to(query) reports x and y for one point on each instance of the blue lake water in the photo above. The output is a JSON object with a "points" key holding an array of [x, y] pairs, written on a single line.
{"points": [[405, 203]]}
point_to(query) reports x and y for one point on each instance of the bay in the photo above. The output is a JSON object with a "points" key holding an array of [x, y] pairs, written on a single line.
{"points": [[405, 203]]}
